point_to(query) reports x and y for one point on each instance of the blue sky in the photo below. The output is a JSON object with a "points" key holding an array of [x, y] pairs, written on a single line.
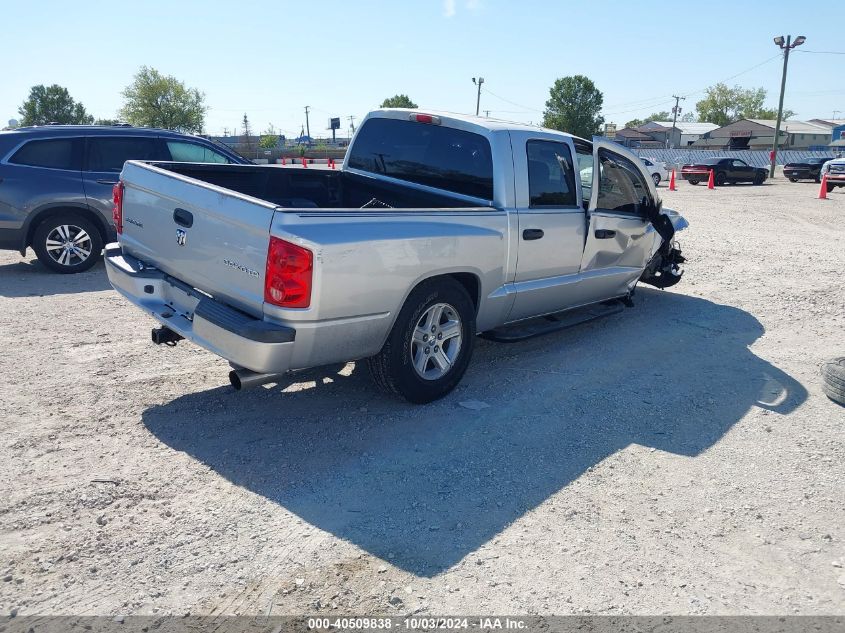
{"points": [[271, 59]]}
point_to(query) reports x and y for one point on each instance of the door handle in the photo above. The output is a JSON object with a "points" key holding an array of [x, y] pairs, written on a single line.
{"points": [[105, 181], [532, 234], [604, 234], [183, 218]]}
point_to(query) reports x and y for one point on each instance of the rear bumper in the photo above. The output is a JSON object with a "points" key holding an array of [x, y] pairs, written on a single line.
{"points": [[241, 339], [798, 173]]}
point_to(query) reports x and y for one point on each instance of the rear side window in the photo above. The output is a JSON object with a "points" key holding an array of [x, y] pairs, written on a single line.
{"points": [[59, 153], [551, 182], [194, 153], [109, 153], [621, 185], [441, 157]]}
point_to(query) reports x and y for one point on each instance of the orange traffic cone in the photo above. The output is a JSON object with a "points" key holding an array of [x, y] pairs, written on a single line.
{"points": [[710, 183], [672, 181], [331, 163], [304, 163], [823, 188]]}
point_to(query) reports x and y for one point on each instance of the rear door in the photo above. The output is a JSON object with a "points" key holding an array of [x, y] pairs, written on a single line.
{"points": [[551, 225], [209, 237], [620, 240], [104, 158]]}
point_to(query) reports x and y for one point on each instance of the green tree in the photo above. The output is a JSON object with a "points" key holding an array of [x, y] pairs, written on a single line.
{"points": [[107, 122], [689, 117], [723, 105], [655, 116], [399, 101], [156, 100], [269, 139], [52, 104], [574, 106]]}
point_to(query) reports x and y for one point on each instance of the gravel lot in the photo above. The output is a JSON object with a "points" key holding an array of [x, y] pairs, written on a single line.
{"points": [[677, 458]]}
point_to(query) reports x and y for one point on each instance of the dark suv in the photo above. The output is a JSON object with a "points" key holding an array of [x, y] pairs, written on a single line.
{"points": [[56, 184]]}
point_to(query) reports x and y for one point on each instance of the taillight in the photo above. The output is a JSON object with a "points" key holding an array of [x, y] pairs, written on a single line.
{"points": [[117, 209], [289, 273]]}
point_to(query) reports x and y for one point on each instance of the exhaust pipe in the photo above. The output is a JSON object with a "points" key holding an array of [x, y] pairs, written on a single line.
{"points": [[246, 379]]}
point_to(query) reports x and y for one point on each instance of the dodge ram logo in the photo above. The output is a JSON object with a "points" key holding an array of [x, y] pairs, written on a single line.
{"points": [[181, 236]]}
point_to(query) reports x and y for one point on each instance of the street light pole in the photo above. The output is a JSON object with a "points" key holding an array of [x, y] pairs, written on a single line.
{"points": [[787, 46], [478, 99]]}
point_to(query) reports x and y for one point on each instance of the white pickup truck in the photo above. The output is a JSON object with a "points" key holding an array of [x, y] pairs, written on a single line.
{"points": [[437, 228]]}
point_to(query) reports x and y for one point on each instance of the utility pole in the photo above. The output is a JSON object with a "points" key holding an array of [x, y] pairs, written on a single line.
{"points": [[352, 123], [834, 113], [788, 46], [307, 124], [675, 112], [478, 99], [487, 113]]}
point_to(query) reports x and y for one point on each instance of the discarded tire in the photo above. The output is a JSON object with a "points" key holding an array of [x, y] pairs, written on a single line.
{"points": [[833, 375]]}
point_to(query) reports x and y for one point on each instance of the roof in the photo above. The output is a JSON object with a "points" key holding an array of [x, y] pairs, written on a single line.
{"points": [[92, 130], [828, 122], [794, 127], [692, 127], [481, 121], [629, 132]]}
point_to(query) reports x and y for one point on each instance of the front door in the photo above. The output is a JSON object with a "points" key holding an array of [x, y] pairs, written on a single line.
{"points": [[551, 226], [620, 240], [740, 170]]}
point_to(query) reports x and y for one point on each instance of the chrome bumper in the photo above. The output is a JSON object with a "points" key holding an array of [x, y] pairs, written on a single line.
{"points": [[243, 340]]}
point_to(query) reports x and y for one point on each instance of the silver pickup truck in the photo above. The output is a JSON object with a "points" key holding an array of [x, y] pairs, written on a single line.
{"points": [[437, 228]]}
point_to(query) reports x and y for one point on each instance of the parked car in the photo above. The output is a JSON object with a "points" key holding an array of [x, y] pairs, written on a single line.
{"points": [[725, 170], [808, 169], [835, 170], [437, 227], [658, 170], [56, 184]]}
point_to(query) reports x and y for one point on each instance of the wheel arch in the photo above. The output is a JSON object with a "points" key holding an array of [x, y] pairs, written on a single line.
{"points": [[52, 210]]}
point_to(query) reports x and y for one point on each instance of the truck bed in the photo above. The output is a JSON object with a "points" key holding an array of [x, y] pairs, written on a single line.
{"points": [[315, 188]]}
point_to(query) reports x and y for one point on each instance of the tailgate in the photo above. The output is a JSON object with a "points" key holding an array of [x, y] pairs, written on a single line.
{"points": [[211, 238]]}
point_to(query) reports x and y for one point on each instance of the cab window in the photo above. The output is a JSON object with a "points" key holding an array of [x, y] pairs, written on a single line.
{"points": [[551, 181], [621, 185], [183, 152]]}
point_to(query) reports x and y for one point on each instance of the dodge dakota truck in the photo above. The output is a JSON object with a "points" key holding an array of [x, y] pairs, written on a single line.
{"points": [[437, 228]]}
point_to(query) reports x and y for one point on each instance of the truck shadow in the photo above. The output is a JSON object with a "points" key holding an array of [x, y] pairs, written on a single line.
{"points": [[30, 278], [423, 487]]}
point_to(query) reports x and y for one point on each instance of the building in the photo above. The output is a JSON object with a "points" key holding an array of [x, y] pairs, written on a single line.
{"points": [[760, 134], [685, 133], [630, 137]]}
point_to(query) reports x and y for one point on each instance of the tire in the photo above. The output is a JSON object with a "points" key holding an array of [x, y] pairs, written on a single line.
{"points": [[759, 180], [721, 179], [83, 237], [818, 179], [829, 187], [833, 375], [407, 367], [793, 180], [693, 182], [655, 179]]}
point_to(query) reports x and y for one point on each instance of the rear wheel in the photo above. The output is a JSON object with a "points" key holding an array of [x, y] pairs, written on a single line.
{"points": [[430, 346], [692, 181], [793, 180], [67, 243], [721, 179], [656, 179]]}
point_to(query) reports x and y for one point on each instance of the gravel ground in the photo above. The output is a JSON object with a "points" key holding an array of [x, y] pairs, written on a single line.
{"points": [[677, 458]]}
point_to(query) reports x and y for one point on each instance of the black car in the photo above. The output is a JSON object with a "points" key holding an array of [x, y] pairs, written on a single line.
{"points": [[806, 170], [724, 170], [56, 184]]}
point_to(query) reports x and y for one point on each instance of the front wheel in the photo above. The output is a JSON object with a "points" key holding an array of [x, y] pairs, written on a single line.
{"points": [[758, 180], [656, 179], [693, 182], [829, 187], [430, 346], [721, 179], [793, 180], [67, 243]]}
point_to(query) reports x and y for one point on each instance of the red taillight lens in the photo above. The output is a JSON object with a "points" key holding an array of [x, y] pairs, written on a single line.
{"points": [[425, 118], [289, 273], [117, 209]]}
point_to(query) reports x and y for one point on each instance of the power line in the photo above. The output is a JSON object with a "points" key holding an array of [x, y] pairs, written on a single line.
{"points": [[822, 52], [518, 105]]}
